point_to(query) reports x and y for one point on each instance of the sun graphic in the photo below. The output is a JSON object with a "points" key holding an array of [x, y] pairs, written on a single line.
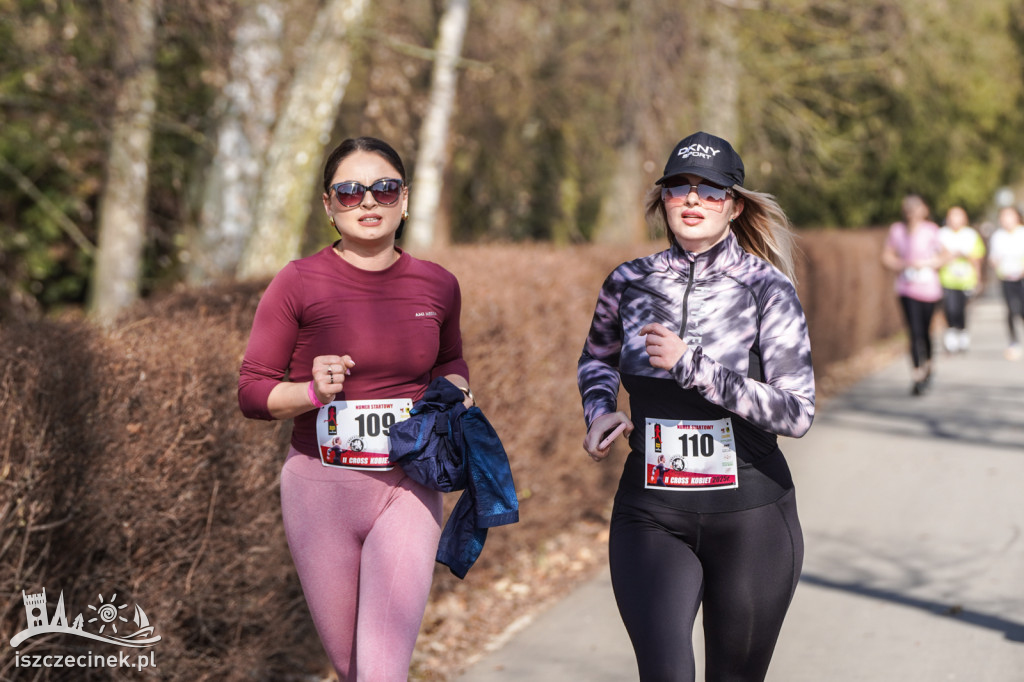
{"points": [[107, 613]]}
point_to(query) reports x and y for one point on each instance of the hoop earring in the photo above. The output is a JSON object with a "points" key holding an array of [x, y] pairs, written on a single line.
{"points": [[405, 215], [331, 218]]}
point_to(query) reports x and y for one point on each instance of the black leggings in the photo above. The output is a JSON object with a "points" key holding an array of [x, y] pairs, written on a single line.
{"points": [[918, 315], [954, 305], [743, 566], [1013, 294]]}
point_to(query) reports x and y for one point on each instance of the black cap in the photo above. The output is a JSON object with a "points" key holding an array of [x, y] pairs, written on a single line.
{"points": [[709, 157]]}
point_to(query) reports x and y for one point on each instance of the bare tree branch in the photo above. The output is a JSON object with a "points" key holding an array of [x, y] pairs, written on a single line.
{"points": [[58, 216]]}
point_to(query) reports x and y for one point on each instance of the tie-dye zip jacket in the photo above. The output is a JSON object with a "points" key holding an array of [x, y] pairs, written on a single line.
{"points": [[749, 354]]}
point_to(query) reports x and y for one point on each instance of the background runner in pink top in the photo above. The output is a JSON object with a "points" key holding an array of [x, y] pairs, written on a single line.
{"points": [[360, 320], [919, 250], [915, 252]]}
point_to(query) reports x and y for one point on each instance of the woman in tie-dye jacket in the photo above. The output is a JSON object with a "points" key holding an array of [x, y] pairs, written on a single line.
{"points": [[710, 341]]}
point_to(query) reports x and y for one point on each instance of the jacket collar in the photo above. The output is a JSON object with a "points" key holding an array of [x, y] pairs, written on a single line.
{"points": [[722, 257]]}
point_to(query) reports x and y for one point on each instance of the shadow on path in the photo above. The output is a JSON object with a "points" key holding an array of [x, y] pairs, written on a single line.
{"points": [[975, 415], [1013, 631]]}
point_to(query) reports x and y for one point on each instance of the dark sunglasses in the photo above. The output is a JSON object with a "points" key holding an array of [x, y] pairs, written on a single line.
{"points": [[385, 192], [710, 196]]}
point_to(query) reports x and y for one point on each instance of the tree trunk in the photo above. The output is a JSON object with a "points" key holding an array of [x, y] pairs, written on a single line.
{"points": [[430, 161], [232, 184], [720, 101], [301, 133], [122, 208], [620, 220]]}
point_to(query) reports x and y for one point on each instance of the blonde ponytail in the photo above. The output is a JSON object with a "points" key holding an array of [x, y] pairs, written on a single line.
{"points": [[764, 230]]}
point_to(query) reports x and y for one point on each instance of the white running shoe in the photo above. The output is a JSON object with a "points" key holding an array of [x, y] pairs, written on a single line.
{"points": [[951, 341]]}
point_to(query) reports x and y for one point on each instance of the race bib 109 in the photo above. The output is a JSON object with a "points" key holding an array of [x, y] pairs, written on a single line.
{"points": [[353, 434]]}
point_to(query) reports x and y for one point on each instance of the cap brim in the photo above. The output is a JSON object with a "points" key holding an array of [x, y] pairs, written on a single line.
{"points": [[704, 172]]}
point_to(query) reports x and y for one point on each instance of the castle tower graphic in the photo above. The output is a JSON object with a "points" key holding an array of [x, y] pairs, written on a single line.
{"points": [[35, 609]]}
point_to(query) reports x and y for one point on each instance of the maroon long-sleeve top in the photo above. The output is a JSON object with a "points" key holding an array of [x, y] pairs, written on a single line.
{"points": [[399, 325]]}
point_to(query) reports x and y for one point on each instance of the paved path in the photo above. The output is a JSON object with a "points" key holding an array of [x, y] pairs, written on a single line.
{"points": [[913, 517]]}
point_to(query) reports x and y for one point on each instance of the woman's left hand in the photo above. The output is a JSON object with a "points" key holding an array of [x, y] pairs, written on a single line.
{"points": [[663, 347], [463, 385]]}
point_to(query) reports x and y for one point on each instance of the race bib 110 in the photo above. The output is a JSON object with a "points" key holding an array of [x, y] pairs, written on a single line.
{"points": [[690, 455]]}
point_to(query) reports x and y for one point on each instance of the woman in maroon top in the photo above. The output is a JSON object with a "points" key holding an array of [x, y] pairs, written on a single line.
{"points": [[343, 342]]}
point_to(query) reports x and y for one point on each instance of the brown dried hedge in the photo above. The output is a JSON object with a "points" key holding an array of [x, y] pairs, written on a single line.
{"points": [[125, 466]]}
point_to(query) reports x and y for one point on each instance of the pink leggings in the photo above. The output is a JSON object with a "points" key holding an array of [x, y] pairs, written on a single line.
{"points": [[364, 545]]}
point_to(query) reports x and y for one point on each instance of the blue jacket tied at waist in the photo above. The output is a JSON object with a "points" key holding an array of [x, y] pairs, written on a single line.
{"points": [[446, 447]]}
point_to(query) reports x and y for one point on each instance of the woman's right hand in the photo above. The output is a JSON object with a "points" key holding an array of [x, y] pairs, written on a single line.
{"points": [[603, 431], [329, 372]]}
